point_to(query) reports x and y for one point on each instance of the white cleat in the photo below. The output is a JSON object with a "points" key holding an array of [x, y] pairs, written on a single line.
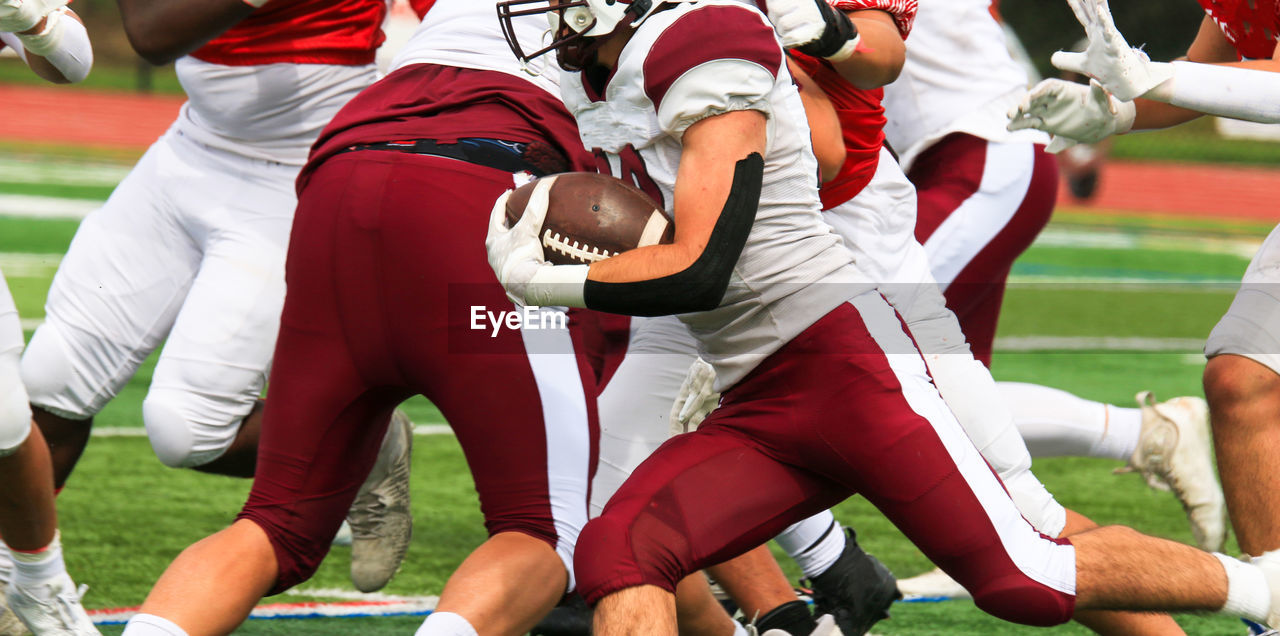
{"points": [[1175, 453], [9, 623], [51, 607], [380, 519], [932, 584]]}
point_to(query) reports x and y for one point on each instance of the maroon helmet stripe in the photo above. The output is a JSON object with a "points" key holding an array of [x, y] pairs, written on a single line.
{"points": [[705, 34]]}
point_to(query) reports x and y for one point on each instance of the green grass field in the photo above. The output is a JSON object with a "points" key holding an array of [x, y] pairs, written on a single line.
{"points": [[124, 516]]}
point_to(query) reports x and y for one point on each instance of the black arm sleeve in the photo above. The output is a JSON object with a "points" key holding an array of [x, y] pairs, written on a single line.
{"points": [[701, 285]]}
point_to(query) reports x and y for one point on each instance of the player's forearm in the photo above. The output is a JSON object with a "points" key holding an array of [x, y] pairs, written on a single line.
{"points": [[1153, 115], [880, 54], [161, 31], [1244, 90]]}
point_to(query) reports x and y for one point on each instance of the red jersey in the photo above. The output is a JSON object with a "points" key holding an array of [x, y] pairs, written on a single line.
{"points": [[341, 32], [1252, 26], [860, 111]]}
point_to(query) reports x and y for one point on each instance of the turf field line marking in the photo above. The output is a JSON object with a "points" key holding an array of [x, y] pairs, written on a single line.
{"points": [[30, 324], [1126, 282], [62, 173], [138, 431], [1023, 344], [29, 264], [387, 606], [28, 206], [1093, 239]]}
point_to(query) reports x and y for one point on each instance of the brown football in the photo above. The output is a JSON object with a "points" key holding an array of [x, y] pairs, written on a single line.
{"points": [[592, 217]]}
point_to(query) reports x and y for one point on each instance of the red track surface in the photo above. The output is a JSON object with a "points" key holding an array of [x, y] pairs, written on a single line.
{"points": [[71, 116], [1236, 192]]}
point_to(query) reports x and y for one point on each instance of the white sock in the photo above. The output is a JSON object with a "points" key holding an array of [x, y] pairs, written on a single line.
{"points": [[151, 625], [739, 629], [445, 624], [6, 564], [1055, 423], [1248, 594], [38, 566], [815, 543]]}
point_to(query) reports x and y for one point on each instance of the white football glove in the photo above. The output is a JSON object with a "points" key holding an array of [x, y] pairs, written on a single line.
{"points": [[17, 16], [1072, 113], [814, 28], [515, 253], [1123, 71], [696, 400]]}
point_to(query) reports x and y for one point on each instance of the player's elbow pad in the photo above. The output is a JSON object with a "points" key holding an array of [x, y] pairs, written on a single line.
{"points": [[701, 285]]}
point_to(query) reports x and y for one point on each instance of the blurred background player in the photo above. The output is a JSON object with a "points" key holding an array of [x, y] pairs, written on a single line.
{"points": [[189, 249], [35, 590], [385, 264], [984, 193], [1231, 69]]}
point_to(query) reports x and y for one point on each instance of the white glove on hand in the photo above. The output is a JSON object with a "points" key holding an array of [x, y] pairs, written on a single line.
{"points": [[17, 16], [1072, 113], [696, 400], [814, 28], [515, 253], [1123, 71]]}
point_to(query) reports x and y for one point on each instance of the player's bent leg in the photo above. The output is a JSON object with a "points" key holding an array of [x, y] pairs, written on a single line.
{"points": [[635, 611]]}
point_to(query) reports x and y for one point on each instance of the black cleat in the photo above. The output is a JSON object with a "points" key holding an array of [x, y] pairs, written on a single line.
{"points": [[571, 617], [857, 590]]}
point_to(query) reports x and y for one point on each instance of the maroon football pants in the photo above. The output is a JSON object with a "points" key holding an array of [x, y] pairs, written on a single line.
{"points": [[385, 271], [846, 407], [981, 205]]}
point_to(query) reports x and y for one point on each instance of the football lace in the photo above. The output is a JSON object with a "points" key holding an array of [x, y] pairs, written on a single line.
{"points": [[574, 249]]}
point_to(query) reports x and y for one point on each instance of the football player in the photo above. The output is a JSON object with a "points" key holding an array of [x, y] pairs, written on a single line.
{"points": [[826, 393], [35, 589], [189, 248], [1230, 70], [386, 263]]}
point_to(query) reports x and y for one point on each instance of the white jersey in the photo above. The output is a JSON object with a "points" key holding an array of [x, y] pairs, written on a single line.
{"points": [[272, 112], [958, 77], [455, 34], [794, 269]]}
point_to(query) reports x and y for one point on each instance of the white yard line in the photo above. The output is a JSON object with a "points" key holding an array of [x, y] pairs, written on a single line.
{"points": [[62, 173], [138, 431], [29, 265], [1067, 237], [1097, 343], [27, 206]]}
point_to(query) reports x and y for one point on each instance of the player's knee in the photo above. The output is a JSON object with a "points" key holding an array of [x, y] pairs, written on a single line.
{"points": [[171, 431], [48, 373], [1231, 380], [15, 413], [1018, 599], [297, 544], [610, 557]]}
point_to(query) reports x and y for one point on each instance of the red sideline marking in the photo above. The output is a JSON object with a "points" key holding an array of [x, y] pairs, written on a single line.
{"points": [[1237, 192], [68, 115]]}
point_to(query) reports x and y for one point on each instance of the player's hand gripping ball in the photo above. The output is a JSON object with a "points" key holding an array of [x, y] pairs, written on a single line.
{"points": [[591, 217]]}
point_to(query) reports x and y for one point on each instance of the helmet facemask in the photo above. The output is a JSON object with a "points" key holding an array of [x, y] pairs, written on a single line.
{"points": [[577, 27]]}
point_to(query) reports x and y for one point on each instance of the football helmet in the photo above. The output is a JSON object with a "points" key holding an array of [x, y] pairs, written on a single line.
{"points": [[577, 26]]}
